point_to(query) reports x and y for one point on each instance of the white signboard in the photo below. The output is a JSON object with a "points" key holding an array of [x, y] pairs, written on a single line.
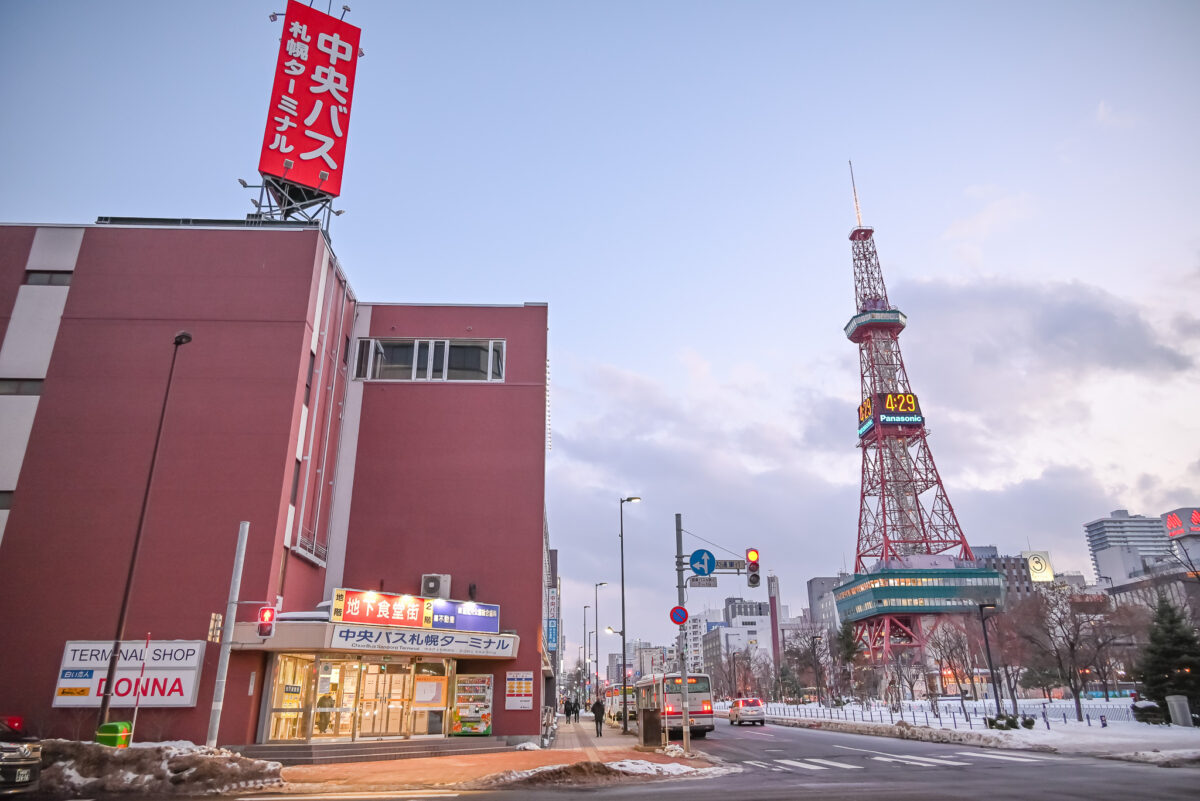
{"points": [[1039, 565], [422, 641], [518, 689], [170, 679], [702, 581]]}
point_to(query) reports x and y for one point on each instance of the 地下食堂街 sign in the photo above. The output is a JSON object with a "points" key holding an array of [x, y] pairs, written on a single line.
{"points": [[311, 99], [411, 611]]}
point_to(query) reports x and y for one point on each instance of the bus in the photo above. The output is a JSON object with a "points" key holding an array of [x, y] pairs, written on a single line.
{"points": [[612, 703], [662, 693]]}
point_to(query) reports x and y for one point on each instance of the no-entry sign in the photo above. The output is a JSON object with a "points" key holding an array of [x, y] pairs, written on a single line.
{"points": [[679, 616]]}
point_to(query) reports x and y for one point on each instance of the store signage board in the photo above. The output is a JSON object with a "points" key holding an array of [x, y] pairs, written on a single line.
{"points": [[170, 679], [552, 634], [518, 689], [309, 116], [412, 611], [422, 641]]}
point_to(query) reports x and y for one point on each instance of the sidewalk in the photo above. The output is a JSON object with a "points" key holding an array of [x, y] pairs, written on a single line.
{"points": [[575, 742]]}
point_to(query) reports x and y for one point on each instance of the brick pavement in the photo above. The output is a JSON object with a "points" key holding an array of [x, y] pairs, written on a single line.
{"points": [[575, 742]]}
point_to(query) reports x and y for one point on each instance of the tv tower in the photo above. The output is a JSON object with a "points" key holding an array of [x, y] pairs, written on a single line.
{"points": [[913, 565]]}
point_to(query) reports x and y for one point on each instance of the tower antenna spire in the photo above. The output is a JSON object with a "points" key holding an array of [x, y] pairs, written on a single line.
{"points": [[857, 211]]}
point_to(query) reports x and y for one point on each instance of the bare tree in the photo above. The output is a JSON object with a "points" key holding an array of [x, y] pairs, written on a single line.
{"points": [[949, 646], [1068, 629]]}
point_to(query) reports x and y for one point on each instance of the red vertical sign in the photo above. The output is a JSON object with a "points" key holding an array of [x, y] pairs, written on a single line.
{"points": [[309, 115]]}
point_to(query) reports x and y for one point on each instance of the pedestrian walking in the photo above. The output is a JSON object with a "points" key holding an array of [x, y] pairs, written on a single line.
{"points": [[576, 705], [569, 708], [598, 713]]}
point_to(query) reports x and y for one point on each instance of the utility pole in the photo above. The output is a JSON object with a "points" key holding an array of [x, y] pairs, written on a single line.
{"points": [[680, 640]]}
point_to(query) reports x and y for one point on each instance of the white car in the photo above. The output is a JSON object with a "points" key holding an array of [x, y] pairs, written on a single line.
{"points": [[747, 710]]}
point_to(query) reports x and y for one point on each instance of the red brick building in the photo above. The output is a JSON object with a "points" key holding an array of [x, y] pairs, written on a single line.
{"points": [[371, 448]]}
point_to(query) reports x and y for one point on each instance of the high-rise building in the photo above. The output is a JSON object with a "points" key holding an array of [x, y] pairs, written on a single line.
{"points": [[739, 607], [1145, 539], [822, 606]]}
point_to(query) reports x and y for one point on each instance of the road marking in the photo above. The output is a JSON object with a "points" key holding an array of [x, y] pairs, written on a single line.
{"points": [[346, 796], [796, 764], [903, 761], [764, 766], [997, 756], [935, 760], [833, 764]]}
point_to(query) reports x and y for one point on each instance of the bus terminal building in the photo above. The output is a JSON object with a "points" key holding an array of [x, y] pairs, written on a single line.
{"points": [[388, 458]]}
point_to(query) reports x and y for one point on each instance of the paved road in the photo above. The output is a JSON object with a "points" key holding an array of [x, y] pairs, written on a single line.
{"points": [[778, 762]]}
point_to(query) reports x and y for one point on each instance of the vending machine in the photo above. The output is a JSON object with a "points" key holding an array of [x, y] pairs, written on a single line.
{"points": [[472, 704]]}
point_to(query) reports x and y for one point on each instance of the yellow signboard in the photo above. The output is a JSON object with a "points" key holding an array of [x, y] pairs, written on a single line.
{"points": [[74, 690], [1039, 565]]}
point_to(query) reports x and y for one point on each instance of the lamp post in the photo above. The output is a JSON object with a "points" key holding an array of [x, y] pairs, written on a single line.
{"points": [[182, 338], [624, 707], [987, 649], [587, 640], [596, 615]]}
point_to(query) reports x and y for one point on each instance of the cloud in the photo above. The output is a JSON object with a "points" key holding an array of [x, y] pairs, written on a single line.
{"points": [[1000, 213], [1109, 117]]}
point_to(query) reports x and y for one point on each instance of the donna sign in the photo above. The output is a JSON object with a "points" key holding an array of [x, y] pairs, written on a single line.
{"points": [[170, 679]]}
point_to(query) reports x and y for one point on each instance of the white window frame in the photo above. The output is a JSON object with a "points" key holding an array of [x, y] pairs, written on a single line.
{"points": [[376, 350]]}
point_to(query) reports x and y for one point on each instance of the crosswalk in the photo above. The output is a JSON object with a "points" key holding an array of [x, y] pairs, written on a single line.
{"points": [[881, 759]]}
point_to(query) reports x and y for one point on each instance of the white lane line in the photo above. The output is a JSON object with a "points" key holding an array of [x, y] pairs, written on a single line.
{"points": [[903, 761], [796, 764], [935, 760], [764, 766], [996, 756], [833, 764], [414, 794]]}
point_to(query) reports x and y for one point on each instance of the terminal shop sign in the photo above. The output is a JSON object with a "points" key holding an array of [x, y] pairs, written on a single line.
{"points": [[309, 115], [411, 611], [170, 677]]}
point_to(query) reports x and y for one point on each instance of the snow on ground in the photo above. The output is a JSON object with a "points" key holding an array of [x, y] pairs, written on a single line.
{"points": [[644, 768]]}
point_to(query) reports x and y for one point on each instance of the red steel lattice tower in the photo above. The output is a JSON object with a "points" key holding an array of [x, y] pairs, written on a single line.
{"points": [[904, 511]]}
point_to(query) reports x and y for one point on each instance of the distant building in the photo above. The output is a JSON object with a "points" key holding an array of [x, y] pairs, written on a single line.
{"points": [[694, 630], [821, 607], [738, 607], [1013, 570], [1146, 536]]}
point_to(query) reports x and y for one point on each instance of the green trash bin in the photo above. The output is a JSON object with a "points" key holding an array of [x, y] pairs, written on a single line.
{"points": [[115, 734]]}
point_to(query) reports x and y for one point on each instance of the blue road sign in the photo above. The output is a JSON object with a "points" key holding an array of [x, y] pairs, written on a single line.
{"points": [[679, 615], [702, 562]]}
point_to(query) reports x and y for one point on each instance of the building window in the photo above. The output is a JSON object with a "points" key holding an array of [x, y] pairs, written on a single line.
{"points": [[20, 386], [48, 278], [6, 500], [430, 360], [312, 364]]}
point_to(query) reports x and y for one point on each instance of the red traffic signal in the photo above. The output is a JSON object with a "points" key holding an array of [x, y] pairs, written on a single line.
{"points": [[266, 621], [753, 579]]}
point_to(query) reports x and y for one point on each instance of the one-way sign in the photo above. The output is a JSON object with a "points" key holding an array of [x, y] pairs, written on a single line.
{"points": [[731, 564]]}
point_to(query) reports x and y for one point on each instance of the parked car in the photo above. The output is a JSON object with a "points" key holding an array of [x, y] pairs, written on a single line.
{"points": [[20, 757], [747, 710]]}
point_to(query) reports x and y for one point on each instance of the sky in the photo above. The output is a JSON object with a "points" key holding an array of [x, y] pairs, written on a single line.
{"points": [[671, 178]]}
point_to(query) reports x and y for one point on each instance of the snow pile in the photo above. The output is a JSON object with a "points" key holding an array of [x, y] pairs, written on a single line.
{"points": [[75, 768], [673, 750], [640, 767], [530, 746]]}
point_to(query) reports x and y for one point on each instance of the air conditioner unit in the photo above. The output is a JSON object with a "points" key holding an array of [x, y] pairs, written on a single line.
{"points": [[435, 585]]}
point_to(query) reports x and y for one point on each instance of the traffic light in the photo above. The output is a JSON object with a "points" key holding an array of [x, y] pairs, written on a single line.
{"points": [[266, 621], [753, 579]]}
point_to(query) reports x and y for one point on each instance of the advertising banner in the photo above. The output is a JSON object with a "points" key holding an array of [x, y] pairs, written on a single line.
{"points": [[309, 114], [518, 689], [552, 634], [170, 679], [411, 611]]}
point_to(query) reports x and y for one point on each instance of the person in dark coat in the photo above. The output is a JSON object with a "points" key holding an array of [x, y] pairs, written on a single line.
{"points": [[598, 714], [569, 708]]}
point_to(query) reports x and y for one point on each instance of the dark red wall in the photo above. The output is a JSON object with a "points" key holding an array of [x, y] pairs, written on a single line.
{"points": [[226, 455], [450, 479], [15, 242]]}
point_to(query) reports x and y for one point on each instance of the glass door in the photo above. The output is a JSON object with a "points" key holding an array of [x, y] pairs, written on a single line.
{"points": [[290, 698], [430, 696], [384, 699], [337, 689]]}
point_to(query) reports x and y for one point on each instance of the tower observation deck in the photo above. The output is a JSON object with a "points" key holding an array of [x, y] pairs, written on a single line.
{"points": [[913, 569]]}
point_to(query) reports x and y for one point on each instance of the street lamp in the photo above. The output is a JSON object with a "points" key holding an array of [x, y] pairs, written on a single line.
{"points": [[587, 640], [987, 649], [624, 680], [596, 615], [182, 338]]}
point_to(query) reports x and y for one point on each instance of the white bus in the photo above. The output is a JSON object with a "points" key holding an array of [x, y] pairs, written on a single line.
{"points": [[662, 693], [613, 705]]}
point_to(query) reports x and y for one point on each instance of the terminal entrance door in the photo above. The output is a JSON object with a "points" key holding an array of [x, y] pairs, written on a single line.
{"points": [[384, 698]]}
